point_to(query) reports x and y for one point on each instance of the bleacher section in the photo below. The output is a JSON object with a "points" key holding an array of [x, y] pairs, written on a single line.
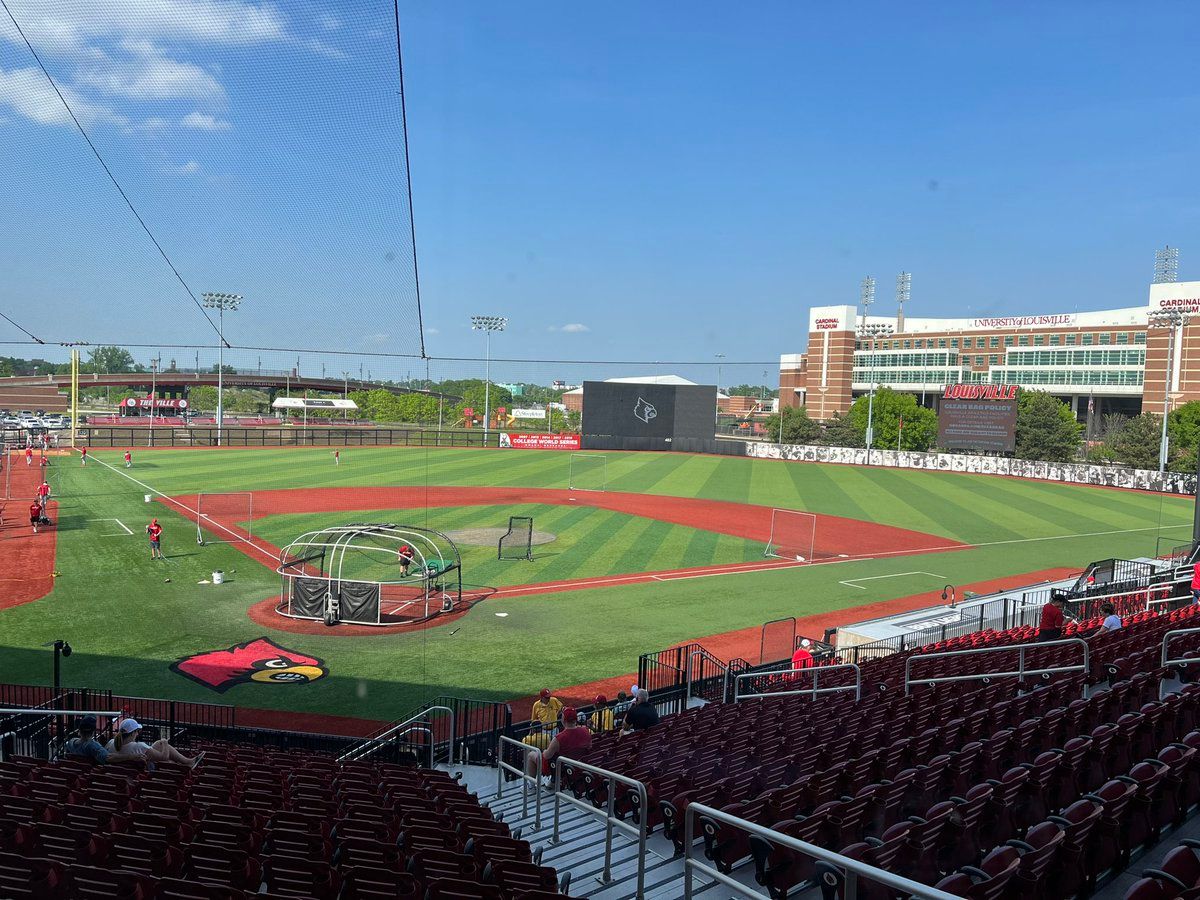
{"points": [[248, 821]]}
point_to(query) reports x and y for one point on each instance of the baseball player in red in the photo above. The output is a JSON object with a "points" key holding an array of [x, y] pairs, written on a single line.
{"points": [[43, 492], [35, 515], [128, 460], [29, 456], [155, 532], [337, 457], [83, 456], [405, 557]]}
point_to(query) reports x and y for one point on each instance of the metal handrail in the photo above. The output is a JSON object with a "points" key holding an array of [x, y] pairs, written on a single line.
{"points": [[1167, 638], [724, 667], [26, 711], [610, 821], [371, 744], [527, 750], [812, 691], [852, 868], [1021, 670]]}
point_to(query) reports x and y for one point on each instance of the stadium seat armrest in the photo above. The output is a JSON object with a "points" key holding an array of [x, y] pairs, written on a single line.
{"points": [[1191, 842], [1095, 798], [957, 799], [975, 873], [1019, 845], [994, 782], [1127, 780], [1059, 820], [1156, 762], [874, 842], [1164, 876], [916, 820]]}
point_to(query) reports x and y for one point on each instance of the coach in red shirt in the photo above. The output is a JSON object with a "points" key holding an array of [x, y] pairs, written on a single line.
{"points": [[1051, 626], [573, 739]]}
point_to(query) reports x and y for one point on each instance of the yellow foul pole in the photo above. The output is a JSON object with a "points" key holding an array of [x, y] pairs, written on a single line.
{"points": [[74, 395]]}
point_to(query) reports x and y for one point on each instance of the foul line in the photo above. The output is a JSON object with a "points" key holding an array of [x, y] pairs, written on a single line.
{"points": [[851, 582], [123, 526], [195, 512]]}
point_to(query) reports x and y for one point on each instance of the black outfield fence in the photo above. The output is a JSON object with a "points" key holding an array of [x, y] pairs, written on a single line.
{"points": [[282, 436]]}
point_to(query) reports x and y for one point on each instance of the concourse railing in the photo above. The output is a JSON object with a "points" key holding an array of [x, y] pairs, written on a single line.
{"points": [[611, 822], [420, 721], [852, 869], [527, 752], [813, 691], [1021, 671], [1166, 641]]}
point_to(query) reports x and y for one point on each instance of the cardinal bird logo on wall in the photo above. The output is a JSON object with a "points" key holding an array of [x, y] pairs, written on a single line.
{"points": [[645, 410], [260, 660]]}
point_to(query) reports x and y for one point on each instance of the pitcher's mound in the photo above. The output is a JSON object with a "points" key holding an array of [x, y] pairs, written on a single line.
{"points": [[488, 537]]}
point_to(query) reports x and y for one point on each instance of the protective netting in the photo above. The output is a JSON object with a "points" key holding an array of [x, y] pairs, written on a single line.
{"points": [[253, 147], [224, 518], [793, 535], [517, 542]]}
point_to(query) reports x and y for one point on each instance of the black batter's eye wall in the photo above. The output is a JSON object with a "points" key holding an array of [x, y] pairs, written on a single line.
{"points": [[622, 416]]}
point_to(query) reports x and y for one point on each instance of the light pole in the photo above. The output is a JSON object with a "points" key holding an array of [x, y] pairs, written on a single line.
{"points": [[346, 393], [1173, 320], [221, 302], [153, 395], [717, 411], [487, 324], [872, 331]]}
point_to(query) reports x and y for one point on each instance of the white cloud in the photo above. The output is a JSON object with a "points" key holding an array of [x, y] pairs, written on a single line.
{"points": [[377, 338], [329, 21], [153, 125], [191, 167], [570, 328], [28, 93], [204, 122], [146, 72], [433, 331]]}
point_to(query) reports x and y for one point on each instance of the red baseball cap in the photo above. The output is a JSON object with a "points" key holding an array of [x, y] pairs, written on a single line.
{"points": [[600, 700], [570, 715], [545, 694]]}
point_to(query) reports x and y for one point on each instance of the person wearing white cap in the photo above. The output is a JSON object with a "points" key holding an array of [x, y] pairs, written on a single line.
{"points": [[126, 747], [803, 657]]}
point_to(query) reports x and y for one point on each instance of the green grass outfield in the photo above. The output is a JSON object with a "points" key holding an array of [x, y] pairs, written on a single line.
{"points": [[127, 624]]}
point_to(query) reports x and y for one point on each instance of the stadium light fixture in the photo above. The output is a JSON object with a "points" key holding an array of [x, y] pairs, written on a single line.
{"points": [[1166, 265], [717, 413], [903, 293], [221, 302], [487, 324], [866, 296], [1172, 320]]}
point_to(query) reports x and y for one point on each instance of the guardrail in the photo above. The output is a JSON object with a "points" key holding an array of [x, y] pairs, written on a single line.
{"points": [[909, 681], [813, 691], [527, 751], [706, 658], [421, 719], [1178, 632], [610, 821], [852, 869]]}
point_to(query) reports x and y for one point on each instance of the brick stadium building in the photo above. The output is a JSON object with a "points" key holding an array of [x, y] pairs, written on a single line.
{"points": [[1114, 358]]}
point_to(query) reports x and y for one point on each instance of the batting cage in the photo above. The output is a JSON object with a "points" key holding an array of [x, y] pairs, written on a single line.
{"points": [[517, 542], [369, 574], [224, 518]]}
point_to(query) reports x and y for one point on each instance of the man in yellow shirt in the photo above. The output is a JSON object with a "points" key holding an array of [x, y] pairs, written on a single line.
{"points": [[602, 718], [544, 718]]}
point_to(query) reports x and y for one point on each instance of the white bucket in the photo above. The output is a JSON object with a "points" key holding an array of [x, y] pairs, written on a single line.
{"points": [[148, 498], [218, 577]]}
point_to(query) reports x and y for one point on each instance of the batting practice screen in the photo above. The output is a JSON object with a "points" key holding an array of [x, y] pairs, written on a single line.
{"points": [[624, 416]]}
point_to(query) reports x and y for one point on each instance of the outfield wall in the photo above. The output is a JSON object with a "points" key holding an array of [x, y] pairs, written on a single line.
{"points": [[1068, 473]]}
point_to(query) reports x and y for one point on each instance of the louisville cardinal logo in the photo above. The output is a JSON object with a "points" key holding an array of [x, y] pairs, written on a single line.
{"points": [[260, 660], [645, 410]]}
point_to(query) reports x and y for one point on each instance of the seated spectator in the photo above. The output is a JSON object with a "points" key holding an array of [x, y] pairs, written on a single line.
{"points": [[126, 747], [1112, 622], [84, 743], [1196, 583], [570, 742], [543, 719], [642, 714], [803, 657], [602, 718], [1051, 626]]}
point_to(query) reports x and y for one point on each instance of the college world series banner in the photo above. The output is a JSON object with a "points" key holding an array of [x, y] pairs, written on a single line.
{"points": [[539, 441]]}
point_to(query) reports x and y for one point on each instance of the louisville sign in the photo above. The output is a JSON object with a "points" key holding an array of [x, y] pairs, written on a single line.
{"points": [[980, 392], [1025, 321], [539, 441], [155, 402]]}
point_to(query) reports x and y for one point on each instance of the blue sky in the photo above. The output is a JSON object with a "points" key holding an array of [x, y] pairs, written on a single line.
{"points": [[672, 180]]}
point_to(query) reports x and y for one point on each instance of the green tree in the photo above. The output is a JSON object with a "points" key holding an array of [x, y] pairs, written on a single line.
{"points": [[887, 411], [1183, 426], [1137, 444], [202, 398], [110, 359], [843, 431], [798, 428], [751, 390], [1046, 428]]}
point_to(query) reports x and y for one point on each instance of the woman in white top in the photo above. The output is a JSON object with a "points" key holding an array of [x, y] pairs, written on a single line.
{"points": [[1112, 622], [125, 747]]}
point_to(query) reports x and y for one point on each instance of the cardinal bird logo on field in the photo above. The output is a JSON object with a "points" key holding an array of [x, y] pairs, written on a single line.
{"points": [[260, 660], [644, 410]]}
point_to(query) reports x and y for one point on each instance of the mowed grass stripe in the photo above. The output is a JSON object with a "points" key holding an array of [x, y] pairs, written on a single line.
{"points": [[594, 556], [818, 489], [729, 480], [1066, 516], [642, 549]]}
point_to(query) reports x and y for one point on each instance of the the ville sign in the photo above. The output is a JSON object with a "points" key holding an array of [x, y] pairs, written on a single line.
{"points": [[980, 392]]}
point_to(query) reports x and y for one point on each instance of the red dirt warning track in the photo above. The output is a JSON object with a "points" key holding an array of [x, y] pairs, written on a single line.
{"points": [[28, 558], [836, 537]]}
